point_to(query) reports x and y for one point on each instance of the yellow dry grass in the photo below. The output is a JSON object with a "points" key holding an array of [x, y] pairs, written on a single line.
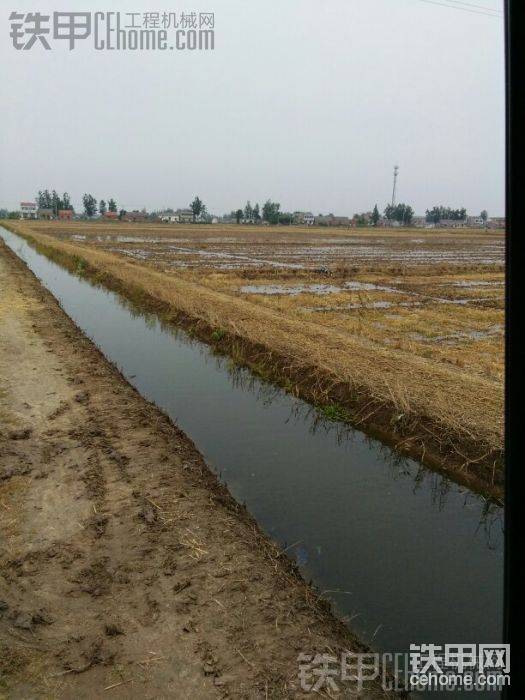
{"points": [[462, 335]]}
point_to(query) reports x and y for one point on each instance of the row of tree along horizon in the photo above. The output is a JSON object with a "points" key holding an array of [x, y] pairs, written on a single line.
{"points": [[270, 212]]}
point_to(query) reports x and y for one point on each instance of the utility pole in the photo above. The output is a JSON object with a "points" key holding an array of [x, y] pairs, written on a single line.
{"points": [[396, 173]]}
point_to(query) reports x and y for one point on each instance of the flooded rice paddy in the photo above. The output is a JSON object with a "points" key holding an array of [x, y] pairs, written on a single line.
{"points": [[260, 247]]}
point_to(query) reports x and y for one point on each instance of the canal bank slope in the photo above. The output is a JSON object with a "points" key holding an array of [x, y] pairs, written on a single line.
{"points": [[124, 564]]}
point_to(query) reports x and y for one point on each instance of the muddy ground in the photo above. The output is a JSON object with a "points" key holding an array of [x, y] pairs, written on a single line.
{"points": [[127, 571], [232, 247]]}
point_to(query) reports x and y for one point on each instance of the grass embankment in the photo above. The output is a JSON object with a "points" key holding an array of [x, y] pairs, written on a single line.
{"points": [[449, 419]]}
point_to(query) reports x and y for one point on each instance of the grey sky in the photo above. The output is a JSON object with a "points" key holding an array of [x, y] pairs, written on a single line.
{"points": [[308, 102]]}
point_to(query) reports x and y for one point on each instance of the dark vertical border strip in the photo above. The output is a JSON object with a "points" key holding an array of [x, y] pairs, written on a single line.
{"points": [[514, 354]]}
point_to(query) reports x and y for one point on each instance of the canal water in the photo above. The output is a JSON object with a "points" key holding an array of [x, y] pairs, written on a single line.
{"points": [[406, 555]]}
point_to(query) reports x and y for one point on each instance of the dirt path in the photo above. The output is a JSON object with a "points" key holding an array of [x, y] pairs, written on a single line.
{"points": [[127, 571]]}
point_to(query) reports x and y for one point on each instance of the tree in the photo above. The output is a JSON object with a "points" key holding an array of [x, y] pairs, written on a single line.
{"points": [[285, 218], [122, 213], [390, 211], [433, 216], [402, 213], [375, 216], [239, 215], [112, 205], [437, 214], [248, 211], [102, 207], [196, 208], [66, 202], [44, 200], [484, 215], [90, 205], [56, 203], [47, 200], [270, 212], [256, 213], [405, 214]]}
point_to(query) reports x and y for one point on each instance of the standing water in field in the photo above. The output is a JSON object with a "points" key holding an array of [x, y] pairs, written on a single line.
{"points": [[406, 555]]}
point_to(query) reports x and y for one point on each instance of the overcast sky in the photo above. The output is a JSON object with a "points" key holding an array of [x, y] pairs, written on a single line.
{"points": [[308, 102]]}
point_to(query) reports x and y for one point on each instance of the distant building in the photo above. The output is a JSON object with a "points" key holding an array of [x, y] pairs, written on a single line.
{"points": [[475, 221], [45, 214], [389, 223], [65, 214], [362, 219], [303, 218], [419, 221], [184, 216], [112, 215], [28, 210], [169, 217], [452, 223], [497, 222], [332, 220], [135, 216]]}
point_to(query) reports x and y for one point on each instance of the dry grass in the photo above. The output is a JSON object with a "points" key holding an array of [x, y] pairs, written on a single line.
{"points": [[434, 369], [466, 335]]}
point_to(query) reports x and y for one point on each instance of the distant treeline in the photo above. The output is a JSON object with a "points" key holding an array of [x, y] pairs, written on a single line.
{"points": [[437, 214], [270, 211], [47, 199], [52, 200]]}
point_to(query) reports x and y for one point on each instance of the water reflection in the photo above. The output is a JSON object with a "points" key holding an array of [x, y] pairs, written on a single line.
{"points": [[400, 465]]}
